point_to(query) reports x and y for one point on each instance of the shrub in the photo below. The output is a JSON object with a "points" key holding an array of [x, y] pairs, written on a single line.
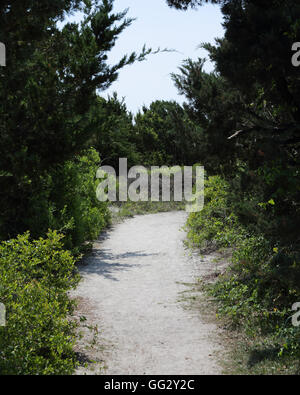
{"points": [[75, 210], [63, 199], [39, 336], [258, 291], [216, 223], [262, 283]]}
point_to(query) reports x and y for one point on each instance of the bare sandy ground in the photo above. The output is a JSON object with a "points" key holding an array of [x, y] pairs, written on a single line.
{"points": [[132, 289]]}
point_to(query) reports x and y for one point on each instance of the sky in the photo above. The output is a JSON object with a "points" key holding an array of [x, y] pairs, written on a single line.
{"points": [[158, 25]]}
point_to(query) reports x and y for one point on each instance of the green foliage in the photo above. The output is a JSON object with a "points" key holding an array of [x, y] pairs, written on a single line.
{"points": [[48, 93], [214, 226], [164, 122], [249, 111], [216, 107], [259, 290], [76, 210], [51, 78], [262, 283], [35, 277], [114, 135], [185, 4], [64, 199], [130, 209]]}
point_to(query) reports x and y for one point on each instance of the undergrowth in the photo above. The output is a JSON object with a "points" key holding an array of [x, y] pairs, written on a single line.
{"points": [[256, 293]]}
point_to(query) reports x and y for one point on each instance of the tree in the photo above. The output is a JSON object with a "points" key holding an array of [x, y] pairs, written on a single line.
{"points": [[249, 111], [185, 4], [165, 135], [51, 79], [47, 91], [114, 132], [255, 56], [215, 107]]}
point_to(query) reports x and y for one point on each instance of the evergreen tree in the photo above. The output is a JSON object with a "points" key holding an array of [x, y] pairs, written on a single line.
{"points": [[114, 132], [51, 79], [47, 91], [249, 110], [165, 135]]}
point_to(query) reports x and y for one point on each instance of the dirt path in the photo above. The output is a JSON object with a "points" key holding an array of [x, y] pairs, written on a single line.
{"points": [[132, 286]]}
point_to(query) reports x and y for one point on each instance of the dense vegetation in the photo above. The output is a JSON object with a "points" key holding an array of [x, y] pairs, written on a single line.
{"points": [[241, 122], [249, 109], [164, 122], [35, 277]]}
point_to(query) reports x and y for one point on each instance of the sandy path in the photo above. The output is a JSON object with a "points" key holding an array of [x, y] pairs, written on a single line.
{"points": [[132, 284]]}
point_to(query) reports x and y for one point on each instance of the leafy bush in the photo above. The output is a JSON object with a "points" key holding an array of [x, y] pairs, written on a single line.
{"points": [[76, 211], [39, 336], [258, 291], [164, 122], [215, 224], [64, 199], [262, 283]]}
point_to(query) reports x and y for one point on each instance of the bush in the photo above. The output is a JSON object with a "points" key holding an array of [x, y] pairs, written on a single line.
{"points": [[215, 225], [35, 277], [262, 283], [75, 210], [64, 199], [258, 291]]}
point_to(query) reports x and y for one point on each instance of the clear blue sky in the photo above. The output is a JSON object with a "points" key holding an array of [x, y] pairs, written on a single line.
{"points": [[158, 25]]}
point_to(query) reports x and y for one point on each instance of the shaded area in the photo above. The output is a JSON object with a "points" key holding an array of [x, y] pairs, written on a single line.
{"points": [[103, 262], [260, 355]]}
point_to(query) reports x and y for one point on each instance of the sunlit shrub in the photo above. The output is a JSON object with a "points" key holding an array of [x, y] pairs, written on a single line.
{"points": [[35, 277]]}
